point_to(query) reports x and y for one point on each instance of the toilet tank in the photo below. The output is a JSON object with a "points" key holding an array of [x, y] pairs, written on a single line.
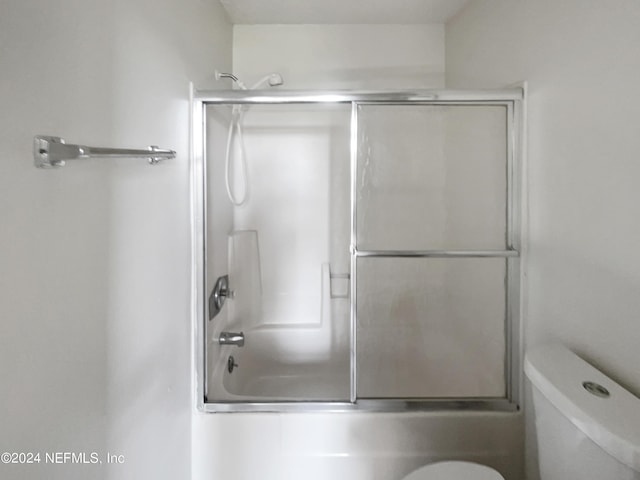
{"points": [[587, 426]]}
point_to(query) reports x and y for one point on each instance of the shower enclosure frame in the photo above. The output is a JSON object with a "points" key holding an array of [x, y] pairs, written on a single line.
{"points": [[512, 99]]}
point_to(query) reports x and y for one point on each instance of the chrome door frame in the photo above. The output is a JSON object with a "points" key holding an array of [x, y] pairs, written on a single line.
{"points": [[513, 99]]}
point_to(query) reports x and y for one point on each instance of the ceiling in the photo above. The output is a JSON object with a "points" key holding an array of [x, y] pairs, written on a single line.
{"points": [[342, 11]]}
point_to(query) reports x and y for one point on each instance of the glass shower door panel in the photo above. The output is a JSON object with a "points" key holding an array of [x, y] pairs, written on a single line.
{"points": [[430, 328], [431, 177], [282, 252]]}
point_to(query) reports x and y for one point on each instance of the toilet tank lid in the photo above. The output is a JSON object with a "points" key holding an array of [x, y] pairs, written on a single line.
{"points": [[612, 422]]}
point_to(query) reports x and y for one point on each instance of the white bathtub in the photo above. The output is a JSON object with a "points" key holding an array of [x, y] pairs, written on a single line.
{"points": [[275, 365]]}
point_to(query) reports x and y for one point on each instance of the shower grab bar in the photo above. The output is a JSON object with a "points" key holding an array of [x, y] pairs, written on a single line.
{"points": [[49, 152]]}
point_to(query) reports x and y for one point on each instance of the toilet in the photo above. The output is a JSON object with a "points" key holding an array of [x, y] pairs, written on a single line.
{"points": [[454, 471], [587, 427]]}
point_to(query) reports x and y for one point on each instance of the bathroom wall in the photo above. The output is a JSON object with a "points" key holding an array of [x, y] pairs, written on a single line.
{"points": [[95, 333], [581, 64], [341, 56]]}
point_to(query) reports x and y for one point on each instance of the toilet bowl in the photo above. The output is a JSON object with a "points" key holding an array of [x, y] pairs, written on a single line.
{"points": [[454, 471]]}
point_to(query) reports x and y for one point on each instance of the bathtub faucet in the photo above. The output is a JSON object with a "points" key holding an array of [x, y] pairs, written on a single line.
{"points": [[231, 338]]}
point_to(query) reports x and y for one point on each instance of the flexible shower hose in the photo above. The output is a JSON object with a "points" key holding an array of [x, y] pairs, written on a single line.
{"points": [[236, 127]]}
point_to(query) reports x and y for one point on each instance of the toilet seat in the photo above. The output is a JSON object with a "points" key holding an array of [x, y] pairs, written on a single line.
{"points": [[454, 471]]}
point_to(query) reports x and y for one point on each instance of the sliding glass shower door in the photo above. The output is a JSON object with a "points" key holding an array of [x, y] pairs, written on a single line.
{"points": [[431, 242], [375, 262], [283, 249]]}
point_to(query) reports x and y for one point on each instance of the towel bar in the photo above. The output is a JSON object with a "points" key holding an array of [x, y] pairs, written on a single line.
{"points": [[49, 152]]}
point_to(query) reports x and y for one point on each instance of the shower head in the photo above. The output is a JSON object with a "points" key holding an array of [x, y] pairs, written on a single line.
{"points": [[273, 79]]}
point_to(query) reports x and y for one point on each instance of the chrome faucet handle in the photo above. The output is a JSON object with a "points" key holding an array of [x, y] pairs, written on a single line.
{"points": [[218, 295]]}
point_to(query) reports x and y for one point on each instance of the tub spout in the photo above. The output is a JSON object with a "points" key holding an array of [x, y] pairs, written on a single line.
{"points": [[231, 338]]}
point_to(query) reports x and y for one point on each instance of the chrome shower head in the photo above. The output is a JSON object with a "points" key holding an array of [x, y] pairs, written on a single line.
{"points": [[273, 79]]}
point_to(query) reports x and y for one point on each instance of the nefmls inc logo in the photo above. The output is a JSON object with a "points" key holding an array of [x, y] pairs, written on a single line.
{"points": [[72, 457]]}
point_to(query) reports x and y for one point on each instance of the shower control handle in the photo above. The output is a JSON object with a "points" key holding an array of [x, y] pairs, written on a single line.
{"points": [[219, 295]]}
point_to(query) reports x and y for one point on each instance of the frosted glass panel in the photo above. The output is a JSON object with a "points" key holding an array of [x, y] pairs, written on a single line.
{"points": [[431, 177], [431, 328]]}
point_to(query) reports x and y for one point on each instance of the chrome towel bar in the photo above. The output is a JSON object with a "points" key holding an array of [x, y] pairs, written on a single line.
{"points": [[51, 152]]}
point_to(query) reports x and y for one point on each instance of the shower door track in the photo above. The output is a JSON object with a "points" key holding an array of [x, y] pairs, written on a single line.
{"points": [[512, 99]]}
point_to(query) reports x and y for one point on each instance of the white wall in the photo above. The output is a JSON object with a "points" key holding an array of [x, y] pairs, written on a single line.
{"points": [[580, 59], [94, 258], [341, 56]]}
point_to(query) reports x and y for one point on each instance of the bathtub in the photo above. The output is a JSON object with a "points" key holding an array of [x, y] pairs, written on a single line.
{"points": [[275, 365]]}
